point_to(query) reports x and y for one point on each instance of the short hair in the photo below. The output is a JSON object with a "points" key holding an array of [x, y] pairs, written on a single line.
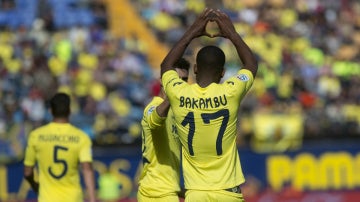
{"points": [[60, 105], [210, 57], [182, 63]]}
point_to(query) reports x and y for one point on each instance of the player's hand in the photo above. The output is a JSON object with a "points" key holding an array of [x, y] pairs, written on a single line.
{"points": [[225, 24], [198, 28], [35, 187]]}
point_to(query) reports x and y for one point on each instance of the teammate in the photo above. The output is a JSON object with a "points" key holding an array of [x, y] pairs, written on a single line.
{"points": [[206, 112], [57, 148], [160, 177]]}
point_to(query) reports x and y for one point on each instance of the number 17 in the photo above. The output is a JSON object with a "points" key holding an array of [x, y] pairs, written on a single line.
{"points": [[206, 117]]}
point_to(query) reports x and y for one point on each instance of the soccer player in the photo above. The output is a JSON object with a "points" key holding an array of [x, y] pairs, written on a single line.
{"points": [[160, 177], [206, 112], [57, 148]]}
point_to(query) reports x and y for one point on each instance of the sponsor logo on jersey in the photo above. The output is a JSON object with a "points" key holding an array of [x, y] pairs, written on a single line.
{"points": [[151, 109], [243, 77]]}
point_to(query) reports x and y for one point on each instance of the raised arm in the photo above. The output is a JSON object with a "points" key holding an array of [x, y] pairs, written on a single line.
{"points": [[227, 30], [163, 109], [197, 29], [158, 116]]}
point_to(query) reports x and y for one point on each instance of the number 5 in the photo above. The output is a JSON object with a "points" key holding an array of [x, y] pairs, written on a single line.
{"points": [[206, 117], [57, 160]]}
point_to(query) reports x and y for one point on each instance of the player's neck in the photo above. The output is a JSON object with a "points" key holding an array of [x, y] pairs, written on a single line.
{"points": [[204, 82], [61, 120]]}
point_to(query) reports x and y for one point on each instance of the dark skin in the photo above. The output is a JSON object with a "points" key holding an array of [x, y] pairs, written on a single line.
{"points": [[198, 29], [29, 176], [227, 30], [164, 107]]}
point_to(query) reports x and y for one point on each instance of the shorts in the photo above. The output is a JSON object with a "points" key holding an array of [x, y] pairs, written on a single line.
{"points": [[213, 196], [167, 198]]}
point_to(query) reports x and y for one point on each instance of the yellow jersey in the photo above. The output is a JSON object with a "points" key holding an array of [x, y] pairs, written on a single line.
{"points": [[161, 153], [57, 148], [206, 122]]}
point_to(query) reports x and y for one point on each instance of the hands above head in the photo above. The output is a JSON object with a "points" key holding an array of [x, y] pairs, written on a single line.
{"points": [[226, 27], [198, 28], [224, 23]]}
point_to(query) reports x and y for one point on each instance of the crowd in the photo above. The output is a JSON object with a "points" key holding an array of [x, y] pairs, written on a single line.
{"points": [[308, 84], [309, 74], [108, 81]]}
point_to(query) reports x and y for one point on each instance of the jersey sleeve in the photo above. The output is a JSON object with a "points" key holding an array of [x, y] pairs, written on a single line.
{"points": [[243, 79], [30, 156], [86, 150], [150, 114], [172, 83], [155, 120]]}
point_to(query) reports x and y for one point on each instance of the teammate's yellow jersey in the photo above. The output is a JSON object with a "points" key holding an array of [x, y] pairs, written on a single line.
{"points": [[160, 152], [57, 148], [206, 122]]}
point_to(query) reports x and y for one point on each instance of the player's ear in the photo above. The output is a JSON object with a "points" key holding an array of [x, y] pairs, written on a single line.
{"points": [[50, 111], [195, 69], [223, 73]]}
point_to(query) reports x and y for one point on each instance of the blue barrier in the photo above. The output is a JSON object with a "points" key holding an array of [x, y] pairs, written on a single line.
{"points": [[316, 167]]}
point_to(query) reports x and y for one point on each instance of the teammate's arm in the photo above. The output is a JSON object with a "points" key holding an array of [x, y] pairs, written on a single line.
{"points": [[158, 116], [163, 109], [227, 30], [197, 29], [88, 173], [152, 118], [29, 176]]}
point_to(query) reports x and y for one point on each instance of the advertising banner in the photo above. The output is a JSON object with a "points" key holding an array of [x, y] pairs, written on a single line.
{"points": [[316, 172]]}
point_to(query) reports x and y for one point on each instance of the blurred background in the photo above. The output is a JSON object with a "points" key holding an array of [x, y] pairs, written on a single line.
{"points": [[299, 132]]}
